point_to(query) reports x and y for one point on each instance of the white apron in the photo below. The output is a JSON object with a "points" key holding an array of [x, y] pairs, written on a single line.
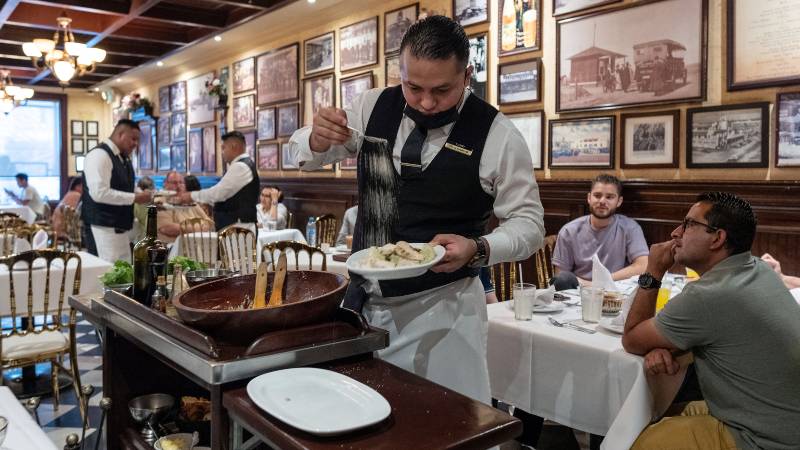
{"points": [[439, 334]]}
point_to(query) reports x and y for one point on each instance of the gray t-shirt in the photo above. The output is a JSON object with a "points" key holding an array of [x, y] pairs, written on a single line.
{"points": [[617, 245], [743, 327]]}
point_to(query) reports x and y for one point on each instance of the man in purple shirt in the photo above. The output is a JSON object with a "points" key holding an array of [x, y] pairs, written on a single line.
{"points": [[617, 240]]}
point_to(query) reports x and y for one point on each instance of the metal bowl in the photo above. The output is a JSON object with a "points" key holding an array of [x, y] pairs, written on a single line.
{"points": [[195, 277], [151, 407], [124, 289]]}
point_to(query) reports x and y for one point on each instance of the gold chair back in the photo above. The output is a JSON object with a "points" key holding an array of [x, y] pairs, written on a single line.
{"points": [[290, 220], [28, 232], [12, 220], [72, 227], [47, 212], [326, 229], [271, 251], [198, 241], [503, 275], [8, 234], [543, 262], [238, 249]]}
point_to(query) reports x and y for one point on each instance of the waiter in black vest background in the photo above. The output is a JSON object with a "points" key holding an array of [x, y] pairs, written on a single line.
{"points": [[236, 195], [108, 197], [451, 161]]}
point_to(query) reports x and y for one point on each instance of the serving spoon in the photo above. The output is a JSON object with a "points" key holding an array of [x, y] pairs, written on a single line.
{"points": [[260, 294], [278, 283]]}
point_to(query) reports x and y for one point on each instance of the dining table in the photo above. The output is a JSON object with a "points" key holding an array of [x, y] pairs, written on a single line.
{"points": [[584, 381], [264, 237], [23, 211], [23, 433]]}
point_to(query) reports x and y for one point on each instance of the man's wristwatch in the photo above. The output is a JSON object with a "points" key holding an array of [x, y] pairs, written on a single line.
{"points": [[648, 281], [481, 256]]}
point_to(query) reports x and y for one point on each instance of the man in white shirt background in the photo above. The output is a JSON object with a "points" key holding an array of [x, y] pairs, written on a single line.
{"points": [[236, 195], [28, 195], [108, 197]]}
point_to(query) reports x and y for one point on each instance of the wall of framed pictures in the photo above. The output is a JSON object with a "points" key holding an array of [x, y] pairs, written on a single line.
{"points": [[87, 114], [551, 64]]}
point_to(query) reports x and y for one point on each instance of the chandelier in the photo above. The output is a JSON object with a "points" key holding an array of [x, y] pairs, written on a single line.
{"points": [[11, 96], [62, 55]]}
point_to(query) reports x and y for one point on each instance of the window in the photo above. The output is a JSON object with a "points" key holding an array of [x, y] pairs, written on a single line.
{"points": [[30, 142]]}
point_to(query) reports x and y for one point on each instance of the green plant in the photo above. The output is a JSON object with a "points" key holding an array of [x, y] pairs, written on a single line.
{"points": [[120, 273]]}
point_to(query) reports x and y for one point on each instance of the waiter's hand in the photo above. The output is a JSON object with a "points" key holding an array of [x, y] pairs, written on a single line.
{"points": [[143, 197], [329, 128], [458, 251], [183, 198]]}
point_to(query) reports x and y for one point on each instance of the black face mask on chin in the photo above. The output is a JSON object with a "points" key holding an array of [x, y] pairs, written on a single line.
{"points": [[432, 121]]}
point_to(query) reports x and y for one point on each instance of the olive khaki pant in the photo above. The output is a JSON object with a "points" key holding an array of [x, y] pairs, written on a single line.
{"points": [[694, 429]]}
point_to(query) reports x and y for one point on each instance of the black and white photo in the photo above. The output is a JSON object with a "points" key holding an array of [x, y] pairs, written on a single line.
{"points": [[178, 127], [478, 59], [470, 12], [177, 96], [244, 75], [392, 70], [358, 45], [163, 99], [200, 108], [287, 119], [164, 131], [164, 158], [287, 159], [244, 111], [650, 140], [727, 136], [266, 124], [352, 87], [518, 82], [787, 130], [278, 75], [318, 92], [395, 25], [179, 158], [319, 53]]}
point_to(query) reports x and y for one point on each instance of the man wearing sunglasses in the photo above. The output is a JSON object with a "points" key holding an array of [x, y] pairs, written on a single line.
{"points": [[740, 322]]}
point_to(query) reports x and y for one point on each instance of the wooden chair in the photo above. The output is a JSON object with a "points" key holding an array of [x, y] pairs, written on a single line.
{"points": [[198, 241], [39, 285], [271, 250], [543, 262], [326, 229], [238, 249], [503, 275]]}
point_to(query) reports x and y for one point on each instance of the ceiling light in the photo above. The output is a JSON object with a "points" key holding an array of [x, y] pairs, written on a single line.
{"points": [[97, 89], [119, 80], [12, 96], [160, 63], [62, 55], [218, 38], [312, 1]]}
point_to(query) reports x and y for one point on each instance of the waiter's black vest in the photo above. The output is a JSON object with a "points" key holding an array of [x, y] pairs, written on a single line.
{"points": [[119, 217], [447, 196], [242, 206]]}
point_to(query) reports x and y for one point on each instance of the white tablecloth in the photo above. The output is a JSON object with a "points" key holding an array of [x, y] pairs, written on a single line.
{"points": [[584, 381], [23, 432], [23, 211], [264, 237]]}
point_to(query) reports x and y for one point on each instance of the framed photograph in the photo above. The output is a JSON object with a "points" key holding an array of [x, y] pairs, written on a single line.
{"points": [[531, 125], [287, 160], [201, 105], [287, 120], [759, 53], [210, 148], [277, 75], [582, 143], [392, 70], [349, 164], [164, 132], [250, 143], [653, 61], [163, 99], [518, 36], [164, 158], [478, 58], [244, 75], [78, 146], [92, 128], [518, 82], [470, 12], [195, 157], [179, 158], [79, 161], [358, 45], [787, 129], [728, 136], [225, 77], [319, 53], [147, 141], [650, 140], [317, 93], [244, 111], [92, 143], [561, 7], [77, 127], [266, 124], [177, 96], [268, 156], [352, 87], [178, 127], [395, 24]]}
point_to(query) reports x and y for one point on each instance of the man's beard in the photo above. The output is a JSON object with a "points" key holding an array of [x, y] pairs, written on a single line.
{"points": [[609, 212]]}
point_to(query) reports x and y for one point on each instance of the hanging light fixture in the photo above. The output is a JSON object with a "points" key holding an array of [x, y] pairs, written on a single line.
{"points": [[62, 55], [11, 95]]}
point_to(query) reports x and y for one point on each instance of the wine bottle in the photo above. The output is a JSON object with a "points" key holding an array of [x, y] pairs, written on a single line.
{"points": [[508, 36], [142, 278]]}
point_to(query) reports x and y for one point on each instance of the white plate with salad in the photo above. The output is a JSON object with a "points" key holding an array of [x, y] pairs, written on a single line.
{"points": [[395, 261]]}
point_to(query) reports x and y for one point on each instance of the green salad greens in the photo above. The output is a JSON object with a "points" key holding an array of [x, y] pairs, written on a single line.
{"points": [[120, 273], [186, 263]]}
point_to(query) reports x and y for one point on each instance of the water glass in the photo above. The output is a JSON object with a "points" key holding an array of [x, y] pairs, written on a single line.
{"points": [[270, 225], [591, 303], [523, 294]]}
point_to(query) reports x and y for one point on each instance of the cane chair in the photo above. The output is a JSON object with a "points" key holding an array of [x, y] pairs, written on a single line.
{"points": [[39, 282], [238, 249], [72, 227], [503, 275], [199, 241], [326, 229], [543, 262], [271, 251]]}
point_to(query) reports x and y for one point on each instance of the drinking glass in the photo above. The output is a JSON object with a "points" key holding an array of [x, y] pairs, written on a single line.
{"points": [[523, 294], [591, 303]]}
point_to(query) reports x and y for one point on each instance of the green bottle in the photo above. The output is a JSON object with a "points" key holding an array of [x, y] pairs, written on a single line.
{"points": [[141, 259]]}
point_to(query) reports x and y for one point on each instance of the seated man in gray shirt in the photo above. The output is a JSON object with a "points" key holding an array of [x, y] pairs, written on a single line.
{"points": [[348, 225], [740, 322], [617, 240]]}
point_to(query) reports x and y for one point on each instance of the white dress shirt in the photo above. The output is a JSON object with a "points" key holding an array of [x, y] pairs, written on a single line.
{"points": [[237, 177], [505, 171], [282, 213], [97, 169], [34, 200]]}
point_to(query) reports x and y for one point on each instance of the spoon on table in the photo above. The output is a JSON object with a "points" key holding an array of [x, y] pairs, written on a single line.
{"points": [[279, 282], [260, 294]]}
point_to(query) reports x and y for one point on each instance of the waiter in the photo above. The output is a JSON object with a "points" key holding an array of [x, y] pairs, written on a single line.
{"points": [[450, 161], [108, 197], [236, 195]]}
